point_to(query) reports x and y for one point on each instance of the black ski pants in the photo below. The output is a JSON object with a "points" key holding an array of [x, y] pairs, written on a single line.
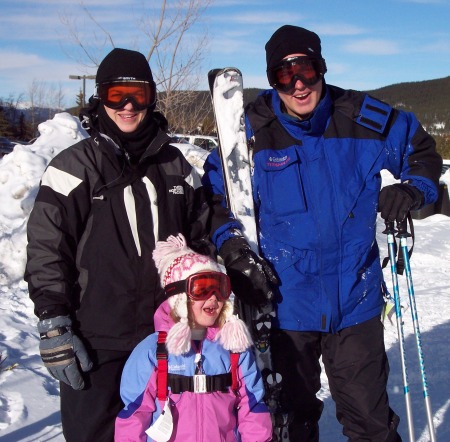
{"points": [[89, 415], [357, 368]]}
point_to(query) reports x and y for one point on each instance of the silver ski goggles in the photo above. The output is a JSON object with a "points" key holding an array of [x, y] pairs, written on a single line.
{"points": [[116, 94], [308, 70], [201, 286]]}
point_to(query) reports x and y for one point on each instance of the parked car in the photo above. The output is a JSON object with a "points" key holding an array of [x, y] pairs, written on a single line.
{"points": [[195, 155], [206, 142], [6, 146]]}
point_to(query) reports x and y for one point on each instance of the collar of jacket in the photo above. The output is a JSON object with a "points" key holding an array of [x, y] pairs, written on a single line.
{"points": [[315, 125], [160, 140]]}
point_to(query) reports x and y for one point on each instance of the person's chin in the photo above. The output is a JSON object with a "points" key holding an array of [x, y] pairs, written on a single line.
{"points": [[209, 321]]}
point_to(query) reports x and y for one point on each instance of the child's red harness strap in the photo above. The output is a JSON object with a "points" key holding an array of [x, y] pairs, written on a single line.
{"points": [[234, 358], [162, 375], [161, 356]]}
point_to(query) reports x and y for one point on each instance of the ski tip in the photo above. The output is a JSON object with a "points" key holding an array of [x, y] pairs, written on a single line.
{"points": [[217, 71], [213, 73]]}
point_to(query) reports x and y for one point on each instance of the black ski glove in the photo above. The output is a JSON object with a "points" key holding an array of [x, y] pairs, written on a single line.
{"points": [[252, 279], [63, 352], [396, 200]]}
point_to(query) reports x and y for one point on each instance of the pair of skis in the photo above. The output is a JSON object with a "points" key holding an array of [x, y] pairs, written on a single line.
{"points": [[226, 89]]}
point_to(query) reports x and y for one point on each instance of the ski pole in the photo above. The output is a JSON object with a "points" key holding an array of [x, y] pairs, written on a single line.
{"points": [[389, 231], [403, 235]]}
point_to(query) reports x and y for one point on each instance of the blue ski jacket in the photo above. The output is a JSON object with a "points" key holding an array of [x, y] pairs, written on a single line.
{"points": [[316, 184]]}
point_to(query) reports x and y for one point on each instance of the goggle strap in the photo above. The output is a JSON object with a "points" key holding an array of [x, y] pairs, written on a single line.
{"points": [[175, 288]]}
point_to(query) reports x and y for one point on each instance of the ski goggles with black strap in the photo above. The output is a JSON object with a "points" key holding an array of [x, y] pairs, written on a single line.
{"points": [[116, 94], [201, 286], [308, 70]]}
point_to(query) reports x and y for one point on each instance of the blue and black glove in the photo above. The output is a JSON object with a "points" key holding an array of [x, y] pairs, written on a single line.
{"points": [[62, 352], [252, 279], [396, 200]]}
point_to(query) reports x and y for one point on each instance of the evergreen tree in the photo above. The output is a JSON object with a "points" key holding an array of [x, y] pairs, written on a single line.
{"points": [[79, 101], [5, 125], [23, 129]]}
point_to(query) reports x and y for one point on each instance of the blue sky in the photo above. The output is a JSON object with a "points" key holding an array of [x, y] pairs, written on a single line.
{"points": [[367, 44]]}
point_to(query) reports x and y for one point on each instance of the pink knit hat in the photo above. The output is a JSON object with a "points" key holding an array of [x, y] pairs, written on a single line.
{"points": [[175, 261]]}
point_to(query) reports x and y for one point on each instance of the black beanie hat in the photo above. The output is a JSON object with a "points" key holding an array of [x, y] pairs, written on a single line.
{"points": [[124, 64], [291, 40]]}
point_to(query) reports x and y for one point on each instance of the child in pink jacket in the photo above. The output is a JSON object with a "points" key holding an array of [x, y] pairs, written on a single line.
{"points": [[195, 379]]}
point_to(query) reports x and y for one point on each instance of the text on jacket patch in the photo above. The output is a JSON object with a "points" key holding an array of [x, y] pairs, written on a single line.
{"points": [[278, 162]]}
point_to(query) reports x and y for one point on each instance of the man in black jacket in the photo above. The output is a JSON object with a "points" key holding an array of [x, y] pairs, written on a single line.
{"points": [[101, 206]]}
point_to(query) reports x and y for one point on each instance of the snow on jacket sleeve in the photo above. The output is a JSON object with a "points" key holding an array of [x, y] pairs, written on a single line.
{"points": [[254, 421], [412, 155], [138, 393]]}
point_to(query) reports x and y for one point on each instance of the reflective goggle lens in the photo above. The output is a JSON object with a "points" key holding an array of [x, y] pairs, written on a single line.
{"points": [[308, 70], [117, 93], [201, 286]]}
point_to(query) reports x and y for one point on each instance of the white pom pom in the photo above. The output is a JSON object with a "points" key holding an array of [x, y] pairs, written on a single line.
{"points": [[178, 339], [164, 249], [234, 335], [179, 305]]}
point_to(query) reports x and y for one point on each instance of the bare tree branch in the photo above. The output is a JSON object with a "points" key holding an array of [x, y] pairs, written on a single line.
{"points": [[175, 53]]}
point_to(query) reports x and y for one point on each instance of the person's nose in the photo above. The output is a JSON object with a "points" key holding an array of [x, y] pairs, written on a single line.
{"points": [[213, 294], [299, 84], [129, 105]]}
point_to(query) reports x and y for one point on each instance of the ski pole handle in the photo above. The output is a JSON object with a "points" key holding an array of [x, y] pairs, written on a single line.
{"points": [[389, 227]]}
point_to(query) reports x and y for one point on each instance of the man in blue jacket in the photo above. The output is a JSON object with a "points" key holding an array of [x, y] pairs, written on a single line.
{"points": [[318, 153]]}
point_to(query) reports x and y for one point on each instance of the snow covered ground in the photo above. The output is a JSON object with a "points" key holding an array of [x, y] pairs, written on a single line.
{"points": [[29, 401]]}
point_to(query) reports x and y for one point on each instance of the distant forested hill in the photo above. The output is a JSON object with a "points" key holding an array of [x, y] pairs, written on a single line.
{"points": [[429, 100]]}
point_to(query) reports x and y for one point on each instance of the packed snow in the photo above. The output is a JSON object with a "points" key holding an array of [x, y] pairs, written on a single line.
{"points": [[29, 401]]}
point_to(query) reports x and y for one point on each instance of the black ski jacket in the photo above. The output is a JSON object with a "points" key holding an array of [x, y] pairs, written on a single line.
{"points": [[93, 229]]}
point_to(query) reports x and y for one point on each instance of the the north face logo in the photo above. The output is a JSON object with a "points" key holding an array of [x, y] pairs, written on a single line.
{"points": [[177, 190]]}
